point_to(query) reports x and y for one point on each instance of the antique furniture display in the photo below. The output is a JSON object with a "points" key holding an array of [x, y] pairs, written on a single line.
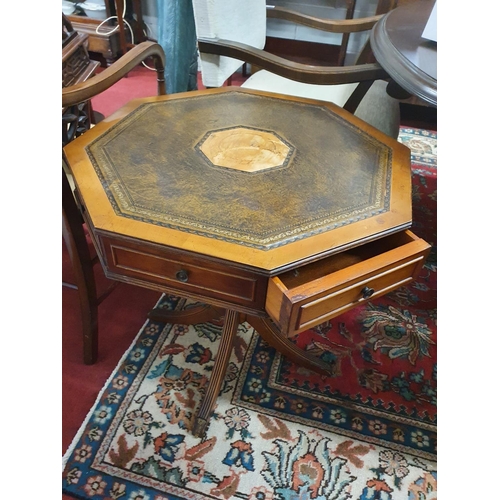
{"points": [[275, 209], [77, 67], [76, 63], [72, 223], [407, 57], [105, 41], [115, 37], [231, 33]]}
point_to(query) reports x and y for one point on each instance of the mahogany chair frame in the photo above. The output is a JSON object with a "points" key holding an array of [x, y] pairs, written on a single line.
{"points": [[72, 221], [364, 72], [383, 6]]}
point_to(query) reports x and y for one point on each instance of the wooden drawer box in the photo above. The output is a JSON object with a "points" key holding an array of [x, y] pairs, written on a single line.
{"points": [[177, 272], [307, 296]]}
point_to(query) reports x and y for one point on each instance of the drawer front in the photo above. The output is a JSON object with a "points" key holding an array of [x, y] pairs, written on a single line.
{"points": [[177, 272], [311, 303], [350, 295]]}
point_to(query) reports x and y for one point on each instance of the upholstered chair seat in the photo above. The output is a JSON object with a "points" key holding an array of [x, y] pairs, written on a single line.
{"points": [[377, 108]]}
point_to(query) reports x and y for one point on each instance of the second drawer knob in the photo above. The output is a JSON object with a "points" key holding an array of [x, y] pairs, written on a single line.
{"points": [[367, 292], [182, 275]]}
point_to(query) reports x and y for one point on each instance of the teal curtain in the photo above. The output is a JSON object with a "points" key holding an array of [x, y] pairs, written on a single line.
{"points": [[177, 36]]}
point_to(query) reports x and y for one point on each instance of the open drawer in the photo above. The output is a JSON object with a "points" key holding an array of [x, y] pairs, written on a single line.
{"points": [[309, 295]]}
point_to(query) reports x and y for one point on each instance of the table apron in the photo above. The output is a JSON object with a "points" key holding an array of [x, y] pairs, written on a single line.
{"points": [[179, 272]]}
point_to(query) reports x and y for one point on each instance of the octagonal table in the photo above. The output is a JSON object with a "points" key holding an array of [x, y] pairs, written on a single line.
{"points": [[282, 211]]}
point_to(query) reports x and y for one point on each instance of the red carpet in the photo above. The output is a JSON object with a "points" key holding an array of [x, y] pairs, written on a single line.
{"points": [[121, 315], [140, 82]]}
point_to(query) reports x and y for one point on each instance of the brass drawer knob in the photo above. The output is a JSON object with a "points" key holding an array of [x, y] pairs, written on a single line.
{"points": [[182, 275], [367, 292]]}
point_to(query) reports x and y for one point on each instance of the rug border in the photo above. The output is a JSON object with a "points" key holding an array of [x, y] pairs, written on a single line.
{"points": [[237, 400]]}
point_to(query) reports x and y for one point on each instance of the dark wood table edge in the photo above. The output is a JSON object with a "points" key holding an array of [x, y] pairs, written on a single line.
{"points": [[419, 84]]}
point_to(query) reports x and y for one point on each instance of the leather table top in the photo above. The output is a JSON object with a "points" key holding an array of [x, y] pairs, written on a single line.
{"points": [[247, 169]]}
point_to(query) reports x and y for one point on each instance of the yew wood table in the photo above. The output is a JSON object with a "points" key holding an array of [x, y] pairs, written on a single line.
{"points": [[278, 210]]}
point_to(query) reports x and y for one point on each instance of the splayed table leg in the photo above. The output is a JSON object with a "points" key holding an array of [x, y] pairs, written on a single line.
{"points": [[229, 330], [190, 316], [271, 334]]}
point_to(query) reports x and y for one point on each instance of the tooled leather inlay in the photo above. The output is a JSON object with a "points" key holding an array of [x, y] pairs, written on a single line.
{"points": [[248, 169], [245, 149]]}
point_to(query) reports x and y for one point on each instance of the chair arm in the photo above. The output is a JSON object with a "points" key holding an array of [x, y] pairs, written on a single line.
{"points": [[331, 25], [305, 73], [108, 77]]}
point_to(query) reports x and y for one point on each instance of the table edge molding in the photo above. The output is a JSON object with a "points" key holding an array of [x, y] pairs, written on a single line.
{"points": [[396, 64]]}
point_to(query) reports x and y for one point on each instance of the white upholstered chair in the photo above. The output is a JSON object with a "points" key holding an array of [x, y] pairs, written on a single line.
{"points": [[232, 32]]}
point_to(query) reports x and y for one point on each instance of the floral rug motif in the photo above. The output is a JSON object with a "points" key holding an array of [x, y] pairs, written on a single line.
{"points": [[278, 432], [422, 143]]}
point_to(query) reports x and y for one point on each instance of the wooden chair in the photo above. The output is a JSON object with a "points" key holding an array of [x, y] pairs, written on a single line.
{"points": [[77, 67], [72, 228], [232, 33]]}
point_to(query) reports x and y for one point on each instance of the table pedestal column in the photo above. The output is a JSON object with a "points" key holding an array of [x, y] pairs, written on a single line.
{"points": [[229, 330], [264, 327]]}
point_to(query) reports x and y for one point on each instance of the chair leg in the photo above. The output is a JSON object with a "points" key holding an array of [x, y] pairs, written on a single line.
{"points": [[76, 243]]}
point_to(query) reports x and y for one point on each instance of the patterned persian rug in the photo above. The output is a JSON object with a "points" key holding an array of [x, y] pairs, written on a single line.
{"points": [[279, 432]]}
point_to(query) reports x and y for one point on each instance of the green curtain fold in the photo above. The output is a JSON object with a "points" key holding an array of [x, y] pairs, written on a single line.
{"points": [[177, 36]]}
